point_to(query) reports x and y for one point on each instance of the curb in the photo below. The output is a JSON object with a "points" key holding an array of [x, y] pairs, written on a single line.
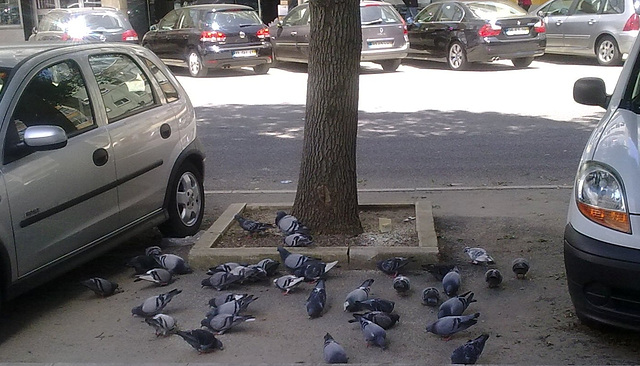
{"points": [[203, 254]]}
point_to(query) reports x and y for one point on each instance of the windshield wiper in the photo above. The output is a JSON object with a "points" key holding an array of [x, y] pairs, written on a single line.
{"points": [[377, 21]]}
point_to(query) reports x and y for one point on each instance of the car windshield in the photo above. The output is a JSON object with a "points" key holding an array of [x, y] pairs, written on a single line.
{"points": [[237, 18], [4, 76], [94, 22], [491, 10], [376, 14]]}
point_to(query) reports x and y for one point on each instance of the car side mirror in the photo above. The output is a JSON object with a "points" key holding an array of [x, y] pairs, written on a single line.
{"points": [[45, 137], [279, 24], [34, 30], [153, 27], [591, 91]]}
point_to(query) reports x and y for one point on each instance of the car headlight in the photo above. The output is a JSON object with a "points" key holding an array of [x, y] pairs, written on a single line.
{"points": [[601, 198]]}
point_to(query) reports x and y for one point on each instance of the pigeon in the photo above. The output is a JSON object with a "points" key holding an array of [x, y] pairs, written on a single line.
{"points": [[152, 251], [478, 255], [520, 267], [430, 296], [251, 226], [317, 300], [359, 294], [450, 325], [224, 298], [391, 266], [456, 305], [288, 224], [332, 351], [224, 267], [201, 339], [173, 263], [313, 270], [385, 320], [163, 324], [438, 270], [142, 263], [245, 273], [451, 282], [469, 352], [287, 283], [297, 240], [257, 273], [220, 280], [101, 287], [493, 277], [159, 276], [376, 305], [269, 265], [154, 304], [235, 306], [292, 261], [401, 284], [221, 323], [373, 333]]}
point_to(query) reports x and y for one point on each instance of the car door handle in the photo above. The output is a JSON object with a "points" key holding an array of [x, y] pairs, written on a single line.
{"points": [[558, 22], [592, 21], [100, 157], [294, 33]]}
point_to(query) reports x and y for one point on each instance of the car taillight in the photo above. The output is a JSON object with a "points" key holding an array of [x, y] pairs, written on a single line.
{"points": [[263, 33], [130, 35], [212, 36], [489, 30], [404, 27], [65, 36], [539, 27], [633, 23]]}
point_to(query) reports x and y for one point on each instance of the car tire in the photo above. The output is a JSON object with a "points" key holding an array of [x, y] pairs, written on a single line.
{"points": [[186, 203], [607, 52], [390, 65], [522, 62], [261, 69], [457, 56], [195, 65]]}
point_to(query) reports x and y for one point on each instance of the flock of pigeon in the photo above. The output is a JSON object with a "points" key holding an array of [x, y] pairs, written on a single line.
{"points": [[374, 315]]}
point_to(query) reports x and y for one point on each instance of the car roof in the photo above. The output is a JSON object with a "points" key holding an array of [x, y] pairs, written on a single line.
{"points": [[85, 10], [13, 54], [218, 7]]}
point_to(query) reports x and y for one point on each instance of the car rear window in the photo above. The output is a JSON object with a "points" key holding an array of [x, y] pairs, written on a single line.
{"points": [[97, 22], [490, 10], [4, 77], [378, 14], [232, 18]]}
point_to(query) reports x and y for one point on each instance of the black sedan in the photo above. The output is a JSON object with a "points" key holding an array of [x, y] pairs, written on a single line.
{"points": [[476, 31]]}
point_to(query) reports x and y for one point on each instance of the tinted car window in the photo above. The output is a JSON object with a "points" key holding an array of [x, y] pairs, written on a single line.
{"points": [[225, 19], [428, 14], [168, 89], [189, 19], [97, 22], [378, 14], [493, 10], [4, 76], [169, 21], [297, 16], [125, 89], [450, 12]]}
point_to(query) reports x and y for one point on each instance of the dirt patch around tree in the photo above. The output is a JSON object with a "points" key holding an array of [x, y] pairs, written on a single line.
{"points": [[403, 231]]}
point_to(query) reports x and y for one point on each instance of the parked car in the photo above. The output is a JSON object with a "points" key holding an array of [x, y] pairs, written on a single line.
{"points": [[602, 235], [384, 35], [98, 142], [595, 28], [85, 24], [212, 36], [463, 32], [401, 6]]}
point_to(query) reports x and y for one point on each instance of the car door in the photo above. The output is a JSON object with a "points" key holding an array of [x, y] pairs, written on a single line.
{"points": [[581, 26], [64, 199], [555, 14], [419, 31], [448, 22], [158, 41], [291, 41], [178, 39]]}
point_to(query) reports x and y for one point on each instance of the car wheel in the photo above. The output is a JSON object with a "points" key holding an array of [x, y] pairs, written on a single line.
{"points": [[261, 69], [186, 203], [607, 52], [194, 62], [457, 57], [390, 65], [522, 62]]}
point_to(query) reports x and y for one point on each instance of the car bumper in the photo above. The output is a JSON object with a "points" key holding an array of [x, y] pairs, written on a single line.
{"points": [[625, 42], [603, 280], [215, 57], [388, 54], [506, 50]]}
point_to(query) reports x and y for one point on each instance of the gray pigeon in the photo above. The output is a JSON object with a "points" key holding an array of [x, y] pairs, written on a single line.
{"points": [[385, 320], [376, 304], [289, 224], [100, 286], [332, 351], [269, 265], [221, 323], [317, 300], [359, 294], [478, 255], [235, 306], [292, 261], [313, 270], [430, 296], [456, 305], [224, 267], [173, 263], [520, 267], [201, 339], [449, 325], [142, 263], [220, 280], [298, 240], [438, 270], [154, 304], [245, 273], [251, 226], [163, 324], [152, 251], [391, 266], [493, 277], [451, 282], [287, 283], [373, 333], [401, 284], [257, 273], [159, 276], [469, 352], [221, 299]]}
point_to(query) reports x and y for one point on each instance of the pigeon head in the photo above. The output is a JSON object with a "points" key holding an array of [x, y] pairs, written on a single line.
{"points": [[279, 215]]}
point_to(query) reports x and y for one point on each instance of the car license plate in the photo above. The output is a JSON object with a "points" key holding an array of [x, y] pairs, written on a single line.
{"points": [[380, 44], [245, 53], [518, 31]]}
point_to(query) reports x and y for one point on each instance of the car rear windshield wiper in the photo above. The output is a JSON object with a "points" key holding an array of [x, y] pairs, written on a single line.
{"points": [[247, 25], [377, 21]]}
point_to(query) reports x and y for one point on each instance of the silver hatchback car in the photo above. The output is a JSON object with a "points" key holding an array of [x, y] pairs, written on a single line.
{"points": [[97, 142], [605, 29]]}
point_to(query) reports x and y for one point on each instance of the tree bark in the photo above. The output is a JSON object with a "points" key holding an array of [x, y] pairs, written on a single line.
{"points": [[327, 195]]}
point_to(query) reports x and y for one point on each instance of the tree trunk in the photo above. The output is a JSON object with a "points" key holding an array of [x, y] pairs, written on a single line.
{"points": [[327, 195]]}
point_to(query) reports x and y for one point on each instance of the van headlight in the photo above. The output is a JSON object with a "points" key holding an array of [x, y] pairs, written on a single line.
{"points": [[601, 198]]}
